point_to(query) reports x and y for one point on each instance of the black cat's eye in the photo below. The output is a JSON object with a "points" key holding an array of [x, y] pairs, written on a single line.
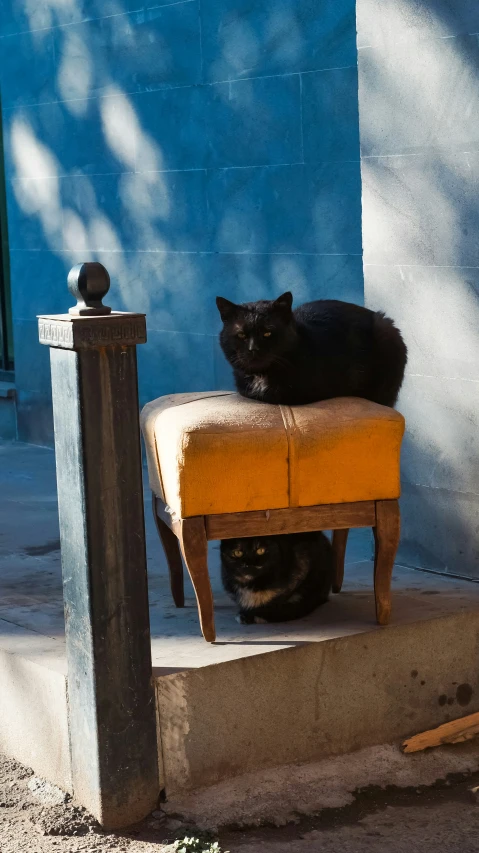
{"points": [[240, 335], [237, 553], [261, 551], [266, 334]]}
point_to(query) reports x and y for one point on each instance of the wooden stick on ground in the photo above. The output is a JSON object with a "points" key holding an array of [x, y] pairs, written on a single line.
{"points": [[454, 732]]}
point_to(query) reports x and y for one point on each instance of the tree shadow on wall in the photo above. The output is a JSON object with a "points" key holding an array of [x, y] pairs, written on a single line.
{"points": [[174, 150], [419, 93]]}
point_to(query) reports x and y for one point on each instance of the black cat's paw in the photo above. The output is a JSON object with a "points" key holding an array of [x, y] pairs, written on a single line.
{"points": [[250, 619], [245, 618]]}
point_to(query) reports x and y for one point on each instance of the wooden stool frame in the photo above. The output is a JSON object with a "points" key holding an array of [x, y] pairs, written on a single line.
{"points": [[191, 535]]}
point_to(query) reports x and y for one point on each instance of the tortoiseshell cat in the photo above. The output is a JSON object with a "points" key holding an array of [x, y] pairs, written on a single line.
{"points": [[277, 578], [323, 349]]}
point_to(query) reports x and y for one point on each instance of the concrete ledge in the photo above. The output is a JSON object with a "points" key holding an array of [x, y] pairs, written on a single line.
{"points": [[262, 695], [321, 699], [33, 716], [248, 714]]}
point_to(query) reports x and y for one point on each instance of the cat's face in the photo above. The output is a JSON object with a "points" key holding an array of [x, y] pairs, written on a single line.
{"points": [[247, 558], [255, 335]]}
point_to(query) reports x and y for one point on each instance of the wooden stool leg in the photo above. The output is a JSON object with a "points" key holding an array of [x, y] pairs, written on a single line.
{"points": [[173, 557], [194, 547], [340, 538], [386, 538]]}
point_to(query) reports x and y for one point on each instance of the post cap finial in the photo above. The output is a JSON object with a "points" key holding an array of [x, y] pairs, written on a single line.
{"points": [[88, 283]]}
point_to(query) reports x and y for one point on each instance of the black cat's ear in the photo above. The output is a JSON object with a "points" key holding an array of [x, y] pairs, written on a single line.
{"points": [[284, 302], [226, 308]]}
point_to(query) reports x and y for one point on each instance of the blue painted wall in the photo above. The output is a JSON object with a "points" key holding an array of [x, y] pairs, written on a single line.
{"points": [[195, 148]]}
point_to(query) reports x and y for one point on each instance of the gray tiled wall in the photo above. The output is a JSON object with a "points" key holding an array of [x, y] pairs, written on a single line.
{"points": [[196, 148], [419, 120]]}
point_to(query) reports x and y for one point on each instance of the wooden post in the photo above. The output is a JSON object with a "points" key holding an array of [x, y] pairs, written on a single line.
{"points": [[111, 699]]}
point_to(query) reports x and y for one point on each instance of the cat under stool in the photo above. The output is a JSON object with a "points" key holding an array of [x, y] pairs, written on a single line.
{"points": [[322, 349], [277, 578]]}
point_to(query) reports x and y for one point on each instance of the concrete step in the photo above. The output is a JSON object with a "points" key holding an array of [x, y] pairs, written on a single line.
{"points": [[332, 685], [264, 696], [260, 697]]}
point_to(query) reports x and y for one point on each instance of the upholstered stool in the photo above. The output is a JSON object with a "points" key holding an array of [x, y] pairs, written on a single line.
{"points": [[221, 466]]}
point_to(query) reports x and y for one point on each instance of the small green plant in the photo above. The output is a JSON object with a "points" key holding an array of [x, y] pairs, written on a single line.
{"points": [[197, 845]]}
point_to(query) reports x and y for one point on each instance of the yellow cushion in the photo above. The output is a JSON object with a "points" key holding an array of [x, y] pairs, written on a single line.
{"points": [[217, 452]]}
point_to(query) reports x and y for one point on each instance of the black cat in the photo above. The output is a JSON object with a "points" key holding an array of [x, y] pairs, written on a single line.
{"points": [[321, 350], [277, 578]]}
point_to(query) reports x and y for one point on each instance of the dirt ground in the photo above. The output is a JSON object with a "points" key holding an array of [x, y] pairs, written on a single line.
{"points": [[444, 818]]}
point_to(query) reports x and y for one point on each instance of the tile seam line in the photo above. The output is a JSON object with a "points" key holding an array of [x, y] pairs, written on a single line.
{"points": [[189, 252], [301, 125], [448, 575], [213, 335], [434, 376], [425, 266], [166, 87], [200, 35], [420, 38], [29, 31], [441, 489], [425, 154], [24, 628], [212, 169], [149, 329]]}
